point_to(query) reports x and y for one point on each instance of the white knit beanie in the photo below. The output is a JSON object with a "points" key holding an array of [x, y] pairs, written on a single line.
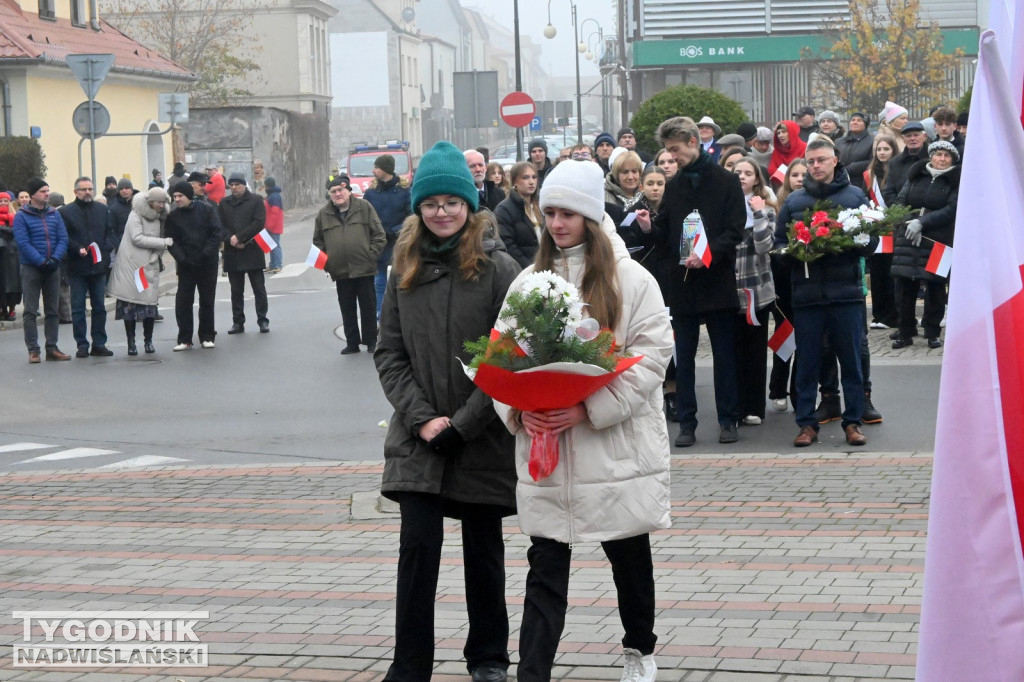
{"points": [[577, 186], [615, 154]]}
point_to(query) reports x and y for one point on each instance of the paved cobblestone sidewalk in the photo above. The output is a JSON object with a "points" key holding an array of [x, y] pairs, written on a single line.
{"points": [[778, 567]]}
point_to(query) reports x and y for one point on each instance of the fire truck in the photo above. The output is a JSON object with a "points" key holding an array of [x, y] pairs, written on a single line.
{"points": [[360, 163]]}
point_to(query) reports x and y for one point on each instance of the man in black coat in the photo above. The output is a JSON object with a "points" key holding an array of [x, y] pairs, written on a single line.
{"points": [[916, 149], [828, 298], [243, 216], [195, 230], [90, 241], [490, 194], [699, 294], [120, 207]]}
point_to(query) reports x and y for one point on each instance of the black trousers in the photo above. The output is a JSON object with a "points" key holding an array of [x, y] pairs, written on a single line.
{"points": [[934, 306], [189, 281], [419, 559], [883, 294], [259, 292], [751, 368], [547, 597], [358, 290], [782, 381]]}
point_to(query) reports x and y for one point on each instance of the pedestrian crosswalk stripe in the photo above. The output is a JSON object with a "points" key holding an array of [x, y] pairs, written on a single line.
{"points": [[18, 447], [72, 453], [142, 461]]}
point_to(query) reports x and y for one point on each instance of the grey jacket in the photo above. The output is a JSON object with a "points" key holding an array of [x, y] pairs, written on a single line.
{"points": [[421, 335], [141, 246]]}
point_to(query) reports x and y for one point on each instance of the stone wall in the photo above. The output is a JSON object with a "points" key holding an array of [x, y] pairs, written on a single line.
{"points": [[291, 147]]}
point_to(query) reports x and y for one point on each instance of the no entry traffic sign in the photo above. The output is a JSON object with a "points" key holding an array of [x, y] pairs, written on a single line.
{"points": [[517, 109]]}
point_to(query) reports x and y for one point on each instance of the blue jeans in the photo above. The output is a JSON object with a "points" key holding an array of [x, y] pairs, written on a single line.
{"points": [[34, 283], [276, 256], [843, 324], [721, 331], [92, 286], [380, 280]]}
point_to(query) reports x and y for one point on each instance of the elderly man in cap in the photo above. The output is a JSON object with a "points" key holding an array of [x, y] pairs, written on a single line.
{"points": [[804, 117], [490, 194], [244, 216], [708, 131], [761, 148], [915, 148], [348, 230], [42, 243], [215, 189], [627, 140], [389, 196]]}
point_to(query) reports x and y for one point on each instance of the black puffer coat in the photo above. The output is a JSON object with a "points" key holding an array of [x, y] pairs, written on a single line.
{"points": [[937, 197], [421, 335], [243, 217], [516, 230], [196, 234]]}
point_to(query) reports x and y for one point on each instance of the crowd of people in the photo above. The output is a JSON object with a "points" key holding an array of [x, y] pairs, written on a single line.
{"points": [[420, 269], [68, 255]]}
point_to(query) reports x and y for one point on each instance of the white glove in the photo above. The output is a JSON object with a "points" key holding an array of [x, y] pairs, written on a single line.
{"points": [[913, 231]]}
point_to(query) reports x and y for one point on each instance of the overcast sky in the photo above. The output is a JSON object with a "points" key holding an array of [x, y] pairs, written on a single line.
{"points": [[558, 55]]}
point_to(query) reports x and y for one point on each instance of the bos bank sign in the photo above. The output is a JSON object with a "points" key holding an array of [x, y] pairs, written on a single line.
{"points": [[688, 52]]}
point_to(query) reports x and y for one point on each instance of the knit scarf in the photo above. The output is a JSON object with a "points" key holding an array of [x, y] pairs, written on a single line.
{"points": [[449, 245], [693, 171]]}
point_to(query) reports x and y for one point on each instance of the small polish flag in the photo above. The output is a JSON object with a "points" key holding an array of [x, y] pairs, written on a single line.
{"points": [[316, 258], [141, 283], [940, 260], [97, 255], [751, 312], [780, 173], [700, 245], [884, 244], [783, 341], [265, 241]]}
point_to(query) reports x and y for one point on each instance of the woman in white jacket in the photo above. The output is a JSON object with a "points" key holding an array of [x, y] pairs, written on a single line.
{"points": [[611, 484], [141, 247]]}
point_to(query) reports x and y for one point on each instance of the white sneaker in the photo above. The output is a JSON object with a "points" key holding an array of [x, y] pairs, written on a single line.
{"points": [[752, 420], [207, 344], [779, 404], [639, 668], [182, 346], [878, 325]]}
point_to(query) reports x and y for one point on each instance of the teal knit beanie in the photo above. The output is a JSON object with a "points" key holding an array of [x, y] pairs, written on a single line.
{"points": [[443, 170]]}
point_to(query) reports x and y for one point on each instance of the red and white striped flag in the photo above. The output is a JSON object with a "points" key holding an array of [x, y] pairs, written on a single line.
{"points": [[94, 251], [316, 258], [748, 294], [780, 173], [700, 245], [939, 260], [783, 341], [141, 283], [972, 609], [265, 241], [884, 244]]}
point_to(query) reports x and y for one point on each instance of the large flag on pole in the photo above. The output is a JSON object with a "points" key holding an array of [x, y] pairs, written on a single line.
{"points": [[972, 617]]}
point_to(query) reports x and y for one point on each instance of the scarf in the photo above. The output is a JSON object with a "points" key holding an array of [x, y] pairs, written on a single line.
{"points": [[442, 249], [693, 171], [783, 155]]}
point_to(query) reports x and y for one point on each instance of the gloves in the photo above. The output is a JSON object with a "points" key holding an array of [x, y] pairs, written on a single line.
{"points": [[449, 442], [913, 231], [49, 265]]}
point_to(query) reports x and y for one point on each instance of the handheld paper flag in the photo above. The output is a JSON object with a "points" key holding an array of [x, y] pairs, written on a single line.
{"points": [[316, 258]]}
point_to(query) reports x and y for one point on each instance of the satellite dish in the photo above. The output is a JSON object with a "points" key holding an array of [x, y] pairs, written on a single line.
{"points": [[408, 14]]}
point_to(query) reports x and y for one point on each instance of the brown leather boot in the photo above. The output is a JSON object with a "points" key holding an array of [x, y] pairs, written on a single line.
{"points": [[854, 435], [807, 435], [55, 354]]}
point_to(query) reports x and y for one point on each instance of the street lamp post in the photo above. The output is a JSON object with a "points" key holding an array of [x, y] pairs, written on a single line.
{"points": [[549, 32]]}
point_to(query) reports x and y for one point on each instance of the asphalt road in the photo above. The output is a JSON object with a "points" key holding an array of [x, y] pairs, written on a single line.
{"points": [[288, 396]]}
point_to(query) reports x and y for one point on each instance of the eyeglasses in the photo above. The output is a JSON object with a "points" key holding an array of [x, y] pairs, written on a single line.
{"points": [[450, 207], [84, 189], [581, 156]]}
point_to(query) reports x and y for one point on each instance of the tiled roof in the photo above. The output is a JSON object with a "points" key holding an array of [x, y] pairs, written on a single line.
{"points": [[24, 36]]}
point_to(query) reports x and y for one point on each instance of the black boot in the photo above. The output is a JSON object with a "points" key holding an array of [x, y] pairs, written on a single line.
{"points": [[129, 331], [870, 415], [147, 334], [828, 409]]}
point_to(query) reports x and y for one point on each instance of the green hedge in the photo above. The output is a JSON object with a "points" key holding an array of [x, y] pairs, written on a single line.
{"points": [[684, 100], [21, 158]]}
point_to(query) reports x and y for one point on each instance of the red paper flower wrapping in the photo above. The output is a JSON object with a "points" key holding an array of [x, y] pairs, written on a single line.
{"points": [[548, 387]]}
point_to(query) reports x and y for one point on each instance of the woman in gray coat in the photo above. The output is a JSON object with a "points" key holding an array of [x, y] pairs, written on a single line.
{"points": [[446, 453], [135, 278]]}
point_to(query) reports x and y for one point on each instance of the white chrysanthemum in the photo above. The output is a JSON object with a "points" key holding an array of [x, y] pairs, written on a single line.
{"points": [[861, 239], [851, 223], [872, 215]]}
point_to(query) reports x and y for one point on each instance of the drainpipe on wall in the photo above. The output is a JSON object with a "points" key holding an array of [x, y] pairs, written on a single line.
{"points": [[94, 11]]}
